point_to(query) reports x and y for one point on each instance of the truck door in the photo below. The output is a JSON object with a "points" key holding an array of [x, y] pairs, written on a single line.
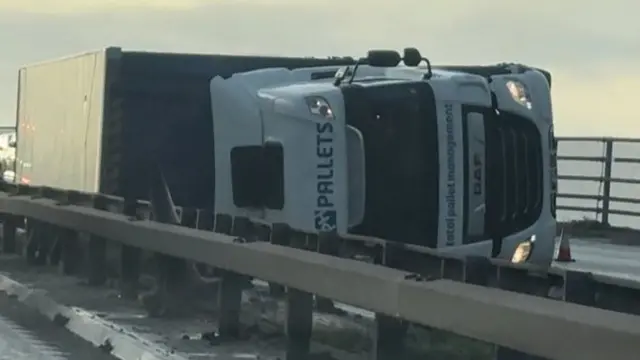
{"points": [[308, 165], [275, 158]]}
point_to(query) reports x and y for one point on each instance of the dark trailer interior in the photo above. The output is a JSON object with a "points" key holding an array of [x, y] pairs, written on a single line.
{"points": [[158, 110]]}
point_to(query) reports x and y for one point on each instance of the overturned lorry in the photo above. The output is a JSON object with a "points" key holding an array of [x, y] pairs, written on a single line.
{"points": [[456, 158]]}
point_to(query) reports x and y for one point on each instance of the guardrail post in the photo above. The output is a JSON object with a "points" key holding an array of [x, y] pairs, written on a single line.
{"points": [[476, 271], [328, 244], [263, 232], [131, 257], [56, 250], [389, 332], [9, 226], [130, 271], [172, 277], [388, 338], [280, 235], [299, 324], [97, 271], [189, 218], [606, 189], [164, 300], [30, 247], [299, 307], [40, 241], [514, 279], [37, 249], [71, 252], [205, 221], [68, 244], [230, 295]]}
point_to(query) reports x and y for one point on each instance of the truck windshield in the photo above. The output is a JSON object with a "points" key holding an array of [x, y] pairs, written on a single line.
{"points": [[398, 122]]}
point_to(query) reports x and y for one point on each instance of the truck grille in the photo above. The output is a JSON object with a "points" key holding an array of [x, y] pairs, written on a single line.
{"points": [[514, 179]]}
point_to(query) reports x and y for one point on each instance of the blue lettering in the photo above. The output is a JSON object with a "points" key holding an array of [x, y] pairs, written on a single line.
{"points": [[325, 213], [450, 197]]}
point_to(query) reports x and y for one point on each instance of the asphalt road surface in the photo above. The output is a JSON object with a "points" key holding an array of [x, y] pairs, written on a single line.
{"points": [[27, 335], [606, 259]]}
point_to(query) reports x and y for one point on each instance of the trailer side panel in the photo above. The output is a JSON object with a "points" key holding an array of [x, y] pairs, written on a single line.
{"points": [[59, 122]]}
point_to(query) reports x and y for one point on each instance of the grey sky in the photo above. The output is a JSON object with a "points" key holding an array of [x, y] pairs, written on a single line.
{"points": [[592, 49]]}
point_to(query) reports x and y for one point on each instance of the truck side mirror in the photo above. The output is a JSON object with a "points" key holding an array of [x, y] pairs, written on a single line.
{"points": [[12, 144]]}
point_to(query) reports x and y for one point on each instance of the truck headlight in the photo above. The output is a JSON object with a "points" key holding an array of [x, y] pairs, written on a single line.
{"points": [[519, 93], [319, 106], [523, 251]]}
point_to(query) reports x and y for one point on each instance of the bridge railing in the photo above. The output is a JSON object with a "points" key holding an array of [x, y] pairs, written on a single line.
{"points": [[616, 165], [6, 129]]}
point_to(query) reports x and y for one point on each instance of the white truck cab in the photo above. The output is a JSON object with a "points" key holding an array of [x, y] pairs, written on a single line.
{"points": [[448, 158]]}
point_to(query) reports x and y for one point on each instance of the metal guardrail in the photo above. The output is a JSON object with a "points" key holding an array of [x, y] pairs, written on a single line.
{"points": [[605, 202], [553, 314]]}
